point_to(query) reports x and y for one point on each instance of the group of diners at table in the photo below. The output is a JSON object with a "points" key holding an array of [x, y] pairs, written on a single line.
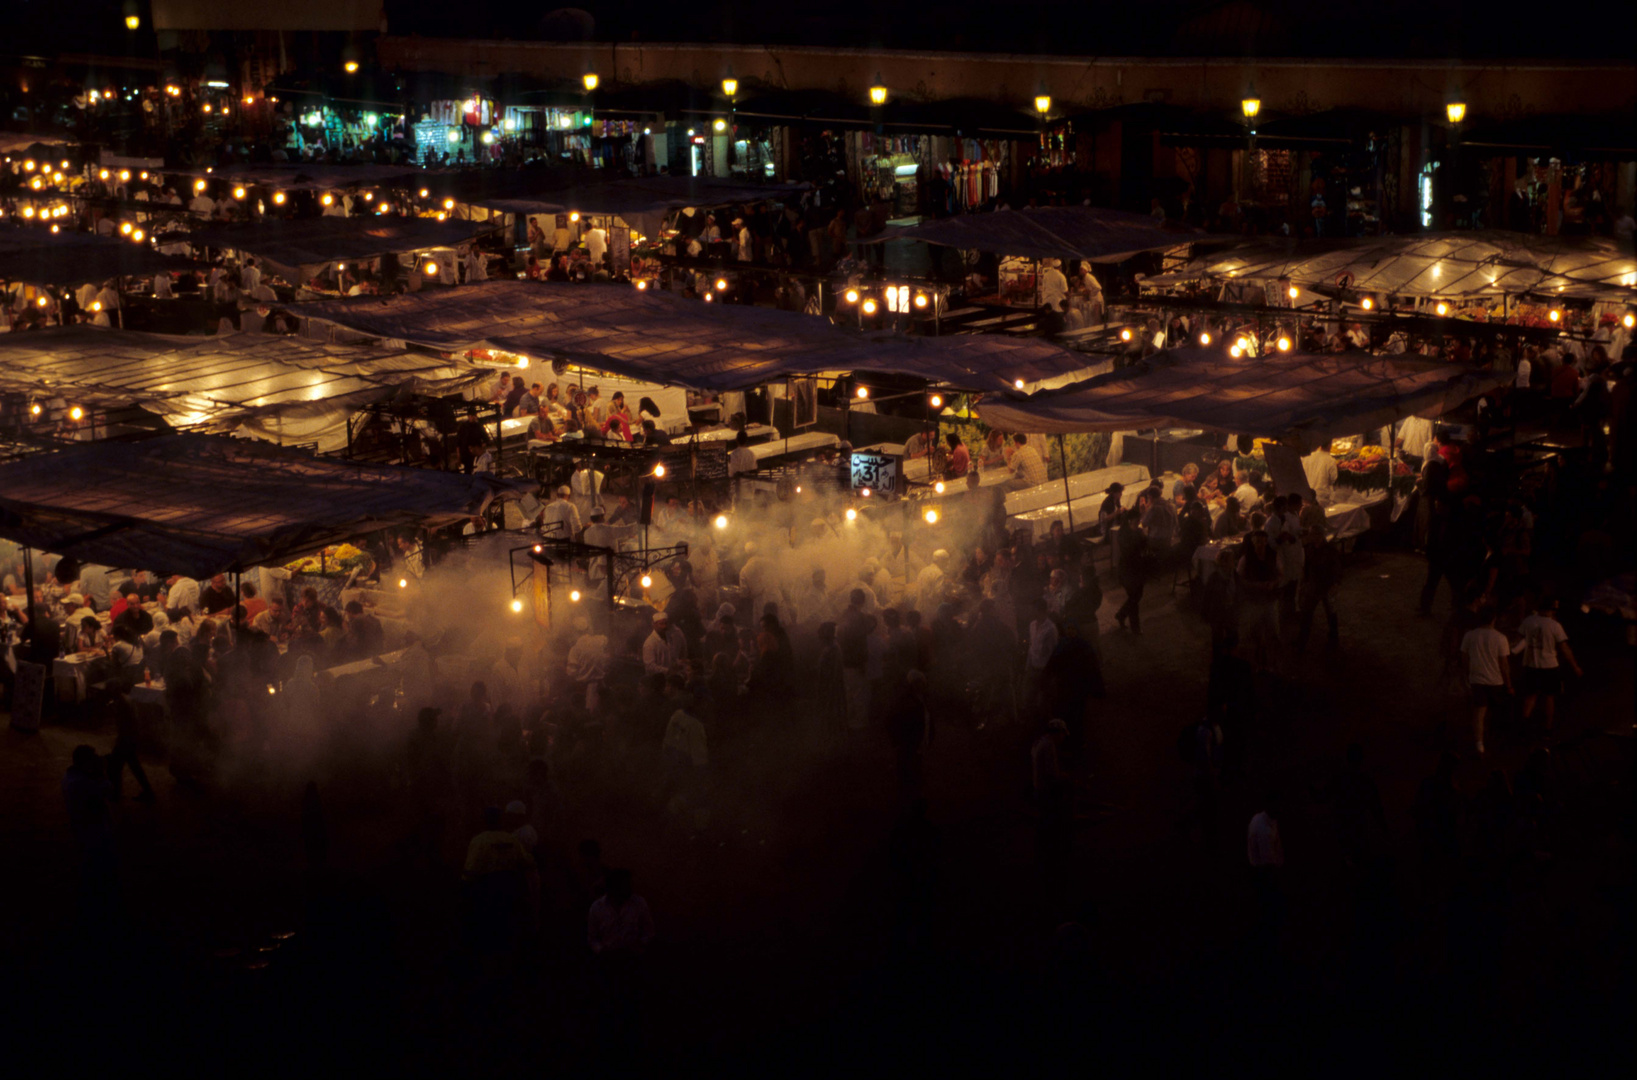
{"points": [[126, 629]]}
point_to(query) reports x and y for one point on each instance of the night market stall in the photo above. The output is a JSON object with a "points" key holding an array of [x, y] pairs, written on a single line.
{"points": [[1267, 414], [192, 507], [65, 382]]}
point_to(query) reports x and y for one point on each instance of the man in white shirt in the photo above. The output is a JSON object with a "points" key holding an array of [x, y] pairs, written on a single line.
{"points": [[162, 285], [1249, 498], [108, 297], [744, 247], [1321, 471], [560, 518], [743, 458], [665, 647], [1054, 287], [1544, 643], [250, 276], [477, 266], [183, 593], [596, 245], [1488, 671]]}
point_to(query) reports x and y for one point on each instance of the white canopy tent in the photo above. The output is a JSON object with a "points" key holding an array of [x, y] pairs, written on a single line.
{"points": [[1315, 396], [287, 389], [663, 338], [1448, 265]]}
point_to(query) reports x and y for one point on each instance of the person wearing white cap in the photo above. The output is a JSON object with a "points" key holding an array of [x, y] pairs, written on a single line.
{"points": [[665, 647], [560, 518], [1054, 287], [745, 248]]}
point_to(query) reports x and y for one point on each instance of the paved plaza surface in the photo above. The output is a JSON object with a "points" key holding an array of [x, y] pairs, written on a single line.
{"points": [[785, 941]]}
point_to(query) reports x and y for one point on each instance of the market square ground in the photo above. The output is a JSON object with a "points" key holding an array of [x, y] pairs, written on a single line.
{"points": [[776, 918]]}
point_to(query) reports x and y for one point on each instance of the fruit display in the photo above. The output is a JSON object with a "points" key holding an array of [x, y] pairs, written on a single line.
{"points": [[338, 560]]}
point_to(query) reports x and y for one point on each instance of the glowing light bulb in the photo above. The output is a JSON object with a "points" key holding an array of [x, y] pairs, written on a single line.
{"points": [[931, 517], [76, 413], [1236, 352], [936, 401], [1293, 292], [1205, 339], [574, 215], [862, 392], [869, 307], [239, 193], [1367, 304], [938, 487], [103, 175], [1555, 315], [589, 80], [34, 409], [852, 515], [125, 174], [137, 235], [517, 605], [449, 204], [647, 581], [574, 596], [1017, 384], [709, 297], [1125, 334], [642, 284], [865, 492], [851, 296], [403, 583], [351, 66], [920, 300], [719, 126], [1284, 344], [659, 472], [721, 521], [278, 198], [424, 193], [430, 269], [1629, 321], [1442, 308]]}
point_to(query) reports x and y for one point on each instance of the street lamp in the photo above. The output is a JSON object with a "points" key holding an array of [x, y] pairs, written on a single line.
{"points": [[878, 91], [589, 80], [1456, 111], [1043, 104], [1251, 106], [133, 22], [730, 85], [351, 67]]}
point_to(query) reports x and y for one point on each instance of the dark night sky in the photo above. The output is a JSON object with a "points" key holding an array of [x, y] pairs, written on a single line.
{"points": [[1589, 29], [1185, 27]]}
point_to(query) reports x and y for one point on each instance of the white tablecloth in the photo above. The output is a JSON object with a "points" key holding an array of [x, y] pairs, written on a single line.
{"points": [[918, 470], [1089, 489], [71, 673], [1081, 486], [801, 443], [757, 433]]}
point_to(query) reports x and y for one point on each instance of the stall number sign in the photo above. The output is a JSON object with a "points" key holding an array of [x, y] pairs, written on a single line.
{"points": [[878, 472], [898, 299]]}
